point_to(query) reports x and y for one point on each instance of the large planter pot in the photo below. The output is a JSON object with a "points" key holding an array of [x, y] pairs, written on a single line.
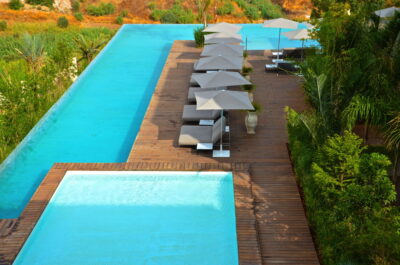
{"points": [[251, 122]]}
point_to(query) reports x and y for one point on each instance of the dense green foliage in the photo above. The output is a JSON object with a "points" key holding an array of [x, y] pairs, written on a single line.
{"points": [[36, 70], [226, 8], [124, 13], [101, 10], [48, 3], [78, 16], [3, 25], [119, 20], [15, 4], [354, 79], [76, 6], [177, 14], [199, 36], [257, 9], [62, 22]]}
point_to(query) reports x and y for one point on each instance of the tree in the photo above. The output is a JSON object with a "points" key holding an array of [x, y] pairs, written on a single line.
{"points": [[32, 50], [362, 108], [353, 197], [392, 135], [203, 6], [88, 48]]}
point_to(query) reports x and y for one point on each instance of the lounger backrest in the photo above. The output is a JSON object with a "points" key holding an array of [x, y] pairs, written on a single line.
{"points": [[216, 130]]}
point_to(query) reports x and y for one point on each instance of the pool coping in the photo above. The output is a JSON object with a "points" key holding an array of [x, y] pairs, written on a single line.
{"points": [[246, 225]]}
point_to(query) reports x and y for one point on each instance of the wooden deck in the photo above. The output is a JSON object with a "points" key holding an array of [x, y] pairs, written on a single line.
{"points": [[283, 228], [271, 224], [249, 249]]}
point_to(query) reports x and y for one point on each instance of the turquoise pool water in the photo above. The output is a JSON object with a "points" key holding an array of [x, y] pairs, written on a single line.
{"points": [[136, 218], [98, 118]]}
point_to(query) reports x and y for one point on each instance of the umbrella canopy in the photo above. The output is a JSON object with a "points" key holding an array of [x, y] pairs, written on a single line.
{"points": [[223, 37], [387, 12], [223, 100], [300, 34], [219, 63], [308, 25], [282, 23], [223, 49], [223, 27], [220, 79]]}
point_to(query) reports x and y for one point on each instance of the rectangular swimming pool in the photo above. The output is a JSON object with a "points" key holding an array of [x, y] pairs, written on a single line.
{"points": [[137, 218]]}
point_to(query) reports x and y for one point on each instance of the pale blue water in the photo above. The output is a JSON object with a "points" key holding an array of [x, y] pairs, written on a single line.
{"points": [[98, 118], [136, 218]]}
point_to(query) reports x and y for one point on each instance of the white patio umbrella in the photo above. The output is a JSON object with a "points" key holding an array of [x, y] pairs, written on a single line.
{"points": [[220, 79], [387, 12], [223, 100], [223, 49], [308, 25], [223, 27], [300, 34], [222, 37], [281, 23], [219, 63]]}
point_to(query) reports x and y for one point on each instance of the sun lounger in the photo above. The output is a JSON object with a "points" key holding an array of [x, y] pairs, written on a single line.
{"points": [[201, 135], [190, 114], [284, 66]]}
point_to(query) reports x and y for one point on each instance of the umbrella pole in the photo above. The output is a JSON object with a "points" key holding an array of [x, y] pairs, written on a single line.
{"points": [[279, 42], [222, 130]]}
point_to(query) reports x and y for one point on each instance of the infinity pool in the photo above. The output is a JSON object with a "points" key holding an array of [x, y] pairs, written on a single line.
{"points": [[98, 118], [136, 218]]}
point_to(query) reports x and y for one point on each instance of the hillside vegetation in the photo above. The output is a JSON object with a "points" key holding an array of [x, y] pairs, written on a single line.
{"points": [[94, 12]]}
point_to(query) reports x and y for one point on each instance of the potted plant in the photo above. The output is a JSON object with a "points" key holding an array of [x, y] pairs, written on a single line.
{"points": [[249, 88], [246, 70], [251, 119]]}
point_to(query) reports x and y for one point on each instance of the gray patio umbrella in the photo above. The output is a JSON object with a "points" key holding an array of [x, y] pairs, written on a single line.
{"points": [[219, 63], [281, 23], [220, 79], [223, 49], [222, 37], [300, 34], [223, 100], [223, 27], [387, 12]]}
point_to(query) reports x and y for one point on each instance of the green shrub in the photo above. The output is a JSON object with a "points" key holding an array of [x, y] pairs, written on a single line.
{"points": [[151, 5], [78, 16], [252, 12], [3, 25], [226, 9], [48, 3], [62, 22], [169, 17], [124, 13], [101, 10], [199, 36], [119, 20], [176, 15], [76, 6], [15, 4]]}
